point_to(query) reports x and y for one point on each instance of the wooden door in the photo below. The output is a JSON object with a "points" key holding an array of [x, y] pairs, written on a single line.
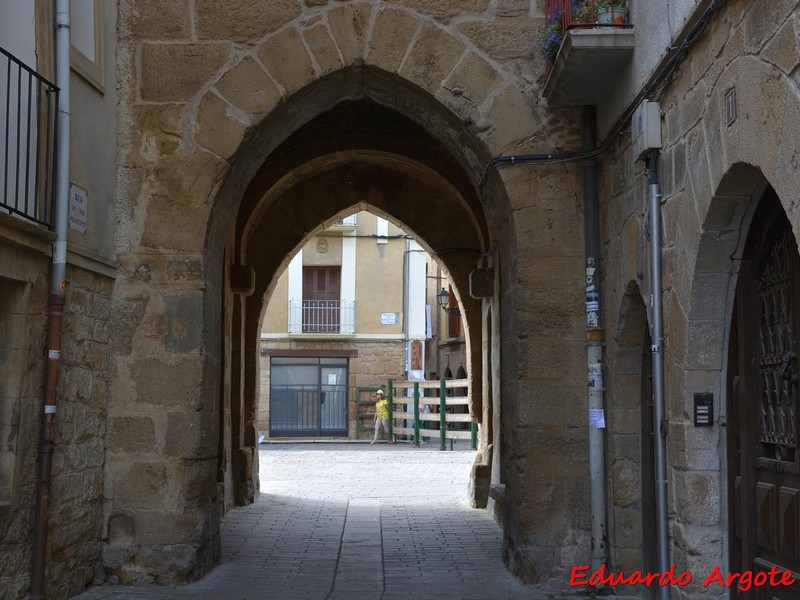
{"points": [[321, 299], [764, 463]]}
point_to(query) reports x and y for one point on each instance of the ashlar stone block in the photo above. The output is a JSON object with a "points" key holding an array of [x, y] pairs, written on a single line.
{"points": [[432, 58], [248, 87], [242, 20], [183, 374], [319, 41], [472, 81], [509, 8], [155, 20], [700, 497], [350, 25], [510, 118], [216, 129], [444, 9], [503, 38], [131, 435], [286, 58], [162, 82], [391, 35], [188, 434], [171, 226], [774, 96], [140, 485]]}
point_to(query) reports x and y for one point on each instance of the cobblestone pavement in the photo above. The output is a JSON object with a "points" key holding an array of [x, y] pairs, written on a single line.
{"points": [[354, 522]]}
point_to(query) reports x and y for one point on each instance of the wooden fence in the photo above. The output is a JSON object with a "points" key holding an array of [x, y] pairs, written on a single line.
{"points": [[437, 411]]}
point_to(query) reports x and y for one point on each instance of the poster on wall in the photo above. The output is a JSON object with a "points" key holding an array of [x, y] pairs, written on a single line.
{"points": [[416, 355]]}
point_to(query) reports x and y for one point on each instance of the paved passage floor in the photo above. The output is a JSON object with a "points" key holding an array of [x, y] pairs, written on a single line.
{"points": [[354, 522]]}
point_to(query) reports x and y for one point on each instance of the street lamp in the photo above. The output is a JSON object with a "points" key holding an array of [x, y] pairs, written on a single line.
{"points": [[443, 298]]}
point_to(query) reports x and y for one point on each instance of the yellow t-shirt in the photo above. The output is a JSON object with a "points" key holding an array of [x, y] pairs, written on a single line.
{"points": [[382, 409]]}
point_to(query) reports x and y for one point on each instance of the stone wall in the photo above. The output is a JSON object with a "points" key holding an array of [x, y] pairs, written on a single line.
{"points": [[76, 494], [208, 91], [24, 288], [710, 172], [76, 501]]}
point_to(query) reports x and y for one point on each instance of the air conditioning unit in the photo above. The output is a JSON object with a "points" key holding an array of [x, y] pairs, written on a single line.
{"points": [[645, 128]]}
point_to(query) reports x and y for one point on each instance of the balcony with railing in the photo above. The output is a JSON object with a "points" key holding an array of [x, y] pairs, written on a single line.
{"points": [[322, 317], [589, 44], [28, 109], [346, 224]]}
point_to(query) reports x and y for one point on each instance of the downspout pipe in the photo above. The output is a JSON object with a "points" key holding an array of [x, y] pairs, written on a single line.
{"points": [[55, 305], [657, 354], [594, 344]]}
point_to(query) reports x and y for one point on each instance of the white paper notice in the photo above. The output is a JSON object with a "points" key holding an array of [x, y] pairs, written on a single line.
{"points": [[597, 418], [331, 378]]}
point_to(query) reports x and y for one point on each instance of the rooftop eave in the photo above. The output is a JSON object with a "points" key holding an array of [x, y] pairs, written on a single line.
{"points": [[589, 62]]}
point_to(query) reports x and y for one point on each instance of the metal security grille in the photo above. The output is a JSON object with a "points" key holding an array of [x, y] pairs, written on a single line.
{"points": [[308, 397], [778, 358]]}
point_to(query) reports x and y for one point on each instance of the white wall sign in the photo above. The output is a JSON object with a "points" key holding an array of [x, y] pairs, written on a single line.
{"points": [[389, 318], [78, 208]]}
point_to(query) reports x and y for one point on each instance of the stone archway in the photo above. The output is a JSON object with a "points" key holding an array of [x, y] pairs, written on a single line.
{"points": [[288, 196], [207, 96], [727, 169], [629, 389], [360, 152]]}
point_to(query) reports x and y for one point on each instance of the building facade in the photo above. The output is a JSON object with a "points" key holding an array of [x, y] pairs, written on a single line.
{"points": [[29, 109], [211, 140], [348, 314]]}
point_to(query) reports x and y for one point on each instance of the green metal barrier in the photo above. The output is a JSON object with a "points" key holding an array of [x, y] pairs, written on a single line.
{"points": [[415, 425], [442, 415], [416, 414], [390, 398]]}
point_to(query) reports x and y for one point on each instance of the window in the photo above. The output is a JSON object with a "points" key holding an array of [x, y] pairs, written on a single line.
{"points": [[308, 396], [86, 35], [321, 301], [453, 316], [382, 230]]}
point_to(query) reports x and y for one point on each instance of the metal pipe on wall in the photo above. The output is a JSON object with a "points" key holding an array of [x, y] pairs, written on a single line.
{"points": [[657, 354], [55, 303], [594, 344]]}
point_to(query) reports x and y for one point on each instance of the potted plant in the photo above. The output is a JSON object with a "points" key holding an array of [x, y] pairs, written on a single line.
{"points": [[611, 11], [553, 36], [582, 13]]}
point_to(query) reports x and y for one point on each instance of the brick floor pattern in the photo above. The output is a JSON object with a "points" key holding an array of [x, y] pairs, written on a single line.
{"points": [[354, 522]]}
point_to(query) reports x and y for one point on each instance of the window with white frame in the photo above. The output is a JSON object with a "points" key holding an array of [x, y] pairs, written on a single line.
{"points": [[86, 34]]}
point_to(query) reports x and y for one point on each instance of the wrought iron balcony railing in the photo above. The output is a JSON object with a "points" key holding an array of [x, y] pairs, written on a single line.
{"points": [[322, 316], [29, 109]]}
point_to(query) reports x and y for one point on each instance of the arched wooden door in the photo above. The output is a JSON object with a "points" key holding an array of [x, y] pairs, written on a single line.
{"points": [[764, 462]]}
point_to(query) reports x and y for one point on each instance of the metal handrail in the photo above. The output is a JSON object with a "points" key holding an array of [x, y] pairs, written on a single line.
{"points": [[322, 316], [29, 110]]}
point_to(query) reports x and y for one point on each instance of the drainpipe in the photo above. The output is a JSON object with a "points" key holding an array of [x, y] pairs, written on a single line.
{"points": [[55, 306], [659, 422], [438, 336], [594, 343], [406, 341]]}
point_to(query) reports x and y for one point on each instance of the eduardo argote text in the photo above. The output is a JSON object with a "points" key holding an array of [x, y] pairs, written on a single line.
{"points": [[744, 580]]}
